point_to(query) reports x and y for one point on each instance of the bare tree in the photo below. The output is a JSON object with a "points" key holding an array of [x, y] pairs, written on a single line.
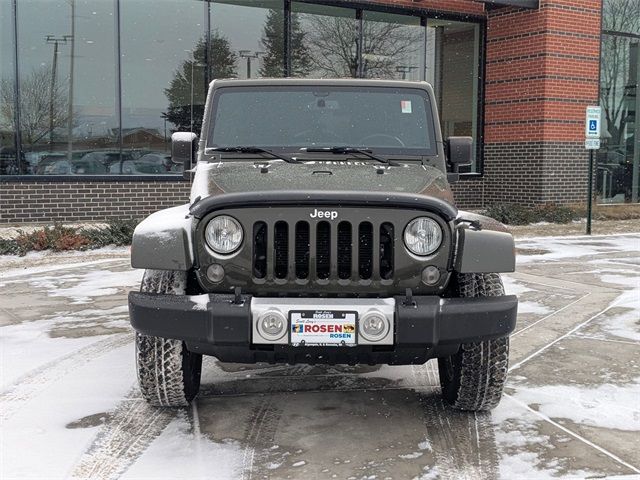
{"points": [[35, 105], [334, 47]]}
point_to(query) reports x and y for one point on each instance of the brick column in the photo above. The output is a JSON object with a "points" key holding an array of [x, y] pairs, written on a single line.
{"points": [[541, 72]]}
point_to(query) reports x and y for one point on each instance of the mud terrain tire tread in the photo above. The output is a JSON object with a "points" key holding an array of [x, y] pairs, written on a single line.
{"points": [[473, 378], [168, 374]]}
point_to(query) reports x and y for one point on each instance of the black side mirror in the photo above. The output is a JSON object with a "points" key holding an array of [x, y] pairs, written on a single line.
{"points": [[459, 151], [184, 146]]}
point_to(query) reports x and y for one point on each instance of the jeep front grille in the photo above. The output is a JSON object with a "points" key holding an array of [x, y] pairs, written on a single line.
{"points": [[322, 251]]}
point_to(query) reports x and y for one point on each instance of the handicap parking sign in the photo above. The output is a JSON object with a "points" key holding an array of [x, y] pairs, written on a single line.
{"points": [[593, 122]]}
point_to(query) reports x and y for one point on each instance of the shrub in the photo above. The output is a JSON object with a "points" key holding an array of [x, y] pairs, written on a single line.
{"points": [[510, 213], [514, 214], [9, 247], [59, 238], [116, 232], [56, 238]]}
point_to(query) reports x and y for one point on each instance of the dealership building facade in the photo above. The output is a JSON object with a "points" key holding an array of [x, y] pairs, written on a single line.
{"points": [[91, 90]]}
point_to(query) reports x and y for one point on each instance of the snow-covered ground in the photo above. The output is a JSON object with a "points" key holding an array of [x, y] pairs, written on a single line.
{"points": [[70, 408]]}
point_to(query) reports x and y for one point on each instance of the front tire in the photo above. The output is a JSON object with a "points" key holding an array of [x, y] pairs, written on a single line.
{"points": [[168, 373], [474, 377]]}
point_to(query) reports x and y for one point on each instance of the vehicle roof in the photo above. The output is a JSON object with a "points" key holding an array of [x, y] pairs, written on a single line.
{"points": [[350, 82]]}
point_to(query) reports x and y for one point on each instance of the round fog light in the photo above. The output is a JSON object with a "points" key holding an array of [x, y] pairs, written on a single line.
{"points": [[430, 275], [272, 325], [374, 326], [215, 273]]}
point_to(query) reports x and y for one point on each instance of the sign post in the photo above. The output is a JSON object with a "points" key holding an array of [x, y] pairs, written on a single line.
{"points": [[591, 143]]}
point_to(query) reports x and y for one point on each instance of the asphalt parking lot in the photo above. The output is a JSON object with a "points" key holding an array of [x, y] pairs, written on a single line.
{"points": [[69, 405]]}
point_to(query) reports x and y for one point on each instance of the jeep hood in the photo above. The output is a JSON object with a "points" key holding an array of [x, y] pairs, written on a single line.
{"points": [[352, 176]]}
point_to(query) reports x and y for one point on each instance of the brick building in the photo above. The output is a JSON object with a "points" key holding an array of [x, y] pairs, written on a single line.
{"points": [[516, 75]]}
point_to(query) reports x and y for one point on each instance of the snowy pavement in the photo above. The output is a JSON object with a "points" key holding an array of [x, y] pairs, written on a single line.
{"points": [[70, 408]]}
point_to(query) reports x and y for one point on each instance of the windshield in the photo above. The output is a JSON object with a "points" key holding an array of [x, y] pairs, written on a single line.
{"points": [[385, 120]]}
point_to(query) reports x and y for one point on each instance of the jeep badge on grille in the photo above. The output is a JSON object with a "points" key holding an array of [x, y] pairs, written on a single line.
{"points": [[331, 214]]}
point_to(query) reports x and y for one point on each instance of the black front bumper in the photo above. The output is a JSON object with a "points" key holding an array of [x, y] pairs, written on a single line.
{"points": [[218, 325]]}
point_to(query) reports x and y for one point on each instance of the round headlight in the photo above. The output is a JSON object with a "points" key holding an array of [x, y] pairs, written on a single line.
{"points": [[423, 236], [223, 234]]}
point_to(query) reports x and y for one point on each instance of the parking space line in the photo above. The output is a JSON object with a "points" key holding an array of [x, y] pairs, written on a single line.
{"points": [[545, 284], [517, 332], [573, 434], [561, 337]]}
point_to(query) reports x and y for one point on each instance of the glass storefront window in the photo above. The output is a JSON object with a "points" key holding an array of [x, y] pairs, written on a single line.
{"points": [[618, 170], [452, 69], [163, 81], [104, 83], [257, 48], [392, 47], [327, 39], [67, 84], [9, 164]]}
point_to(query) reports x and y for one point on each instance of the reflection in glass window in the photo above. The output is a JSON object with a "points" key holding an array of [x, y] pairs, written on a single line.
{"points": [[452, 69], [9, 164], [67, 83], [618, 169], [93, 103], [163, 80], [392, 47], [327, 41], [253, 33]]}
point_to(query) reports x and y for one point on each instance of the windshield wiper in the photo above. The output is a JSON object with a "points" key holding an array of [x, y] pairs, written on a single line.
{"points": [[247, 149], [345, 150]]}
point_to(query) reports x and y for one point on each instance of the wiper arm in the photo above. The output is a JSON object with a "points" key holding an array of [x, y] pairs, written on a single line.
{"points": [[251, 149], [361, 151]]}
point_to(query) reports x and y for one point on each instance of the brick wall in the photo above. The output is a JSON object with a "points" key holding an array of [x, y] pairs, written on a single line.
{"points": [[541, 73], [34, 202]]}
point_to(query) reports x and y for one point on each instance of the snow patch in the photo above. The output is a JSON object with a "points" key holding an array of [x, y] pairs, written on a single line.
{"points": [[92, 284], [179, 453], [513, 286], [577, 247], [604, 406], [200, 302], [533, 307]]}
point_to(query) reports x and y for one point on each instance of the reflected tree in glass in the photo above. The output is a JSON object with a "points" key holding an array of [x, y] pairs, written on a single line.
{"points": [[334, 47], [273, 45], [39, 110], [619, 16], [187, 90], [619, 79], [386, 44]]}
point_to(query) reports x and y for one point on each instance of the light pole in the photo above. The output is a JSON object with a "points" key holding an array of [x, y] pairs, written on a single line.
{"points": [[72, 4], [193, 63], [55, 41], [248, 54]]}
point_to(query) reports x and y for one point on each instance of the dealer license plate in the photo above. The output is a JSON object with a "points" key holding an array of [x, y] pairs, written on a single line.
{"points": [[322, 328]]}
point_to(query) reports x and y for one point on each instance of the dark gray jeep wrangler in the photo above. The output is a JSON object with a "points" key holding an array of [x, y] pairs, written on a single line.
{"points": [[322, 229]]}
